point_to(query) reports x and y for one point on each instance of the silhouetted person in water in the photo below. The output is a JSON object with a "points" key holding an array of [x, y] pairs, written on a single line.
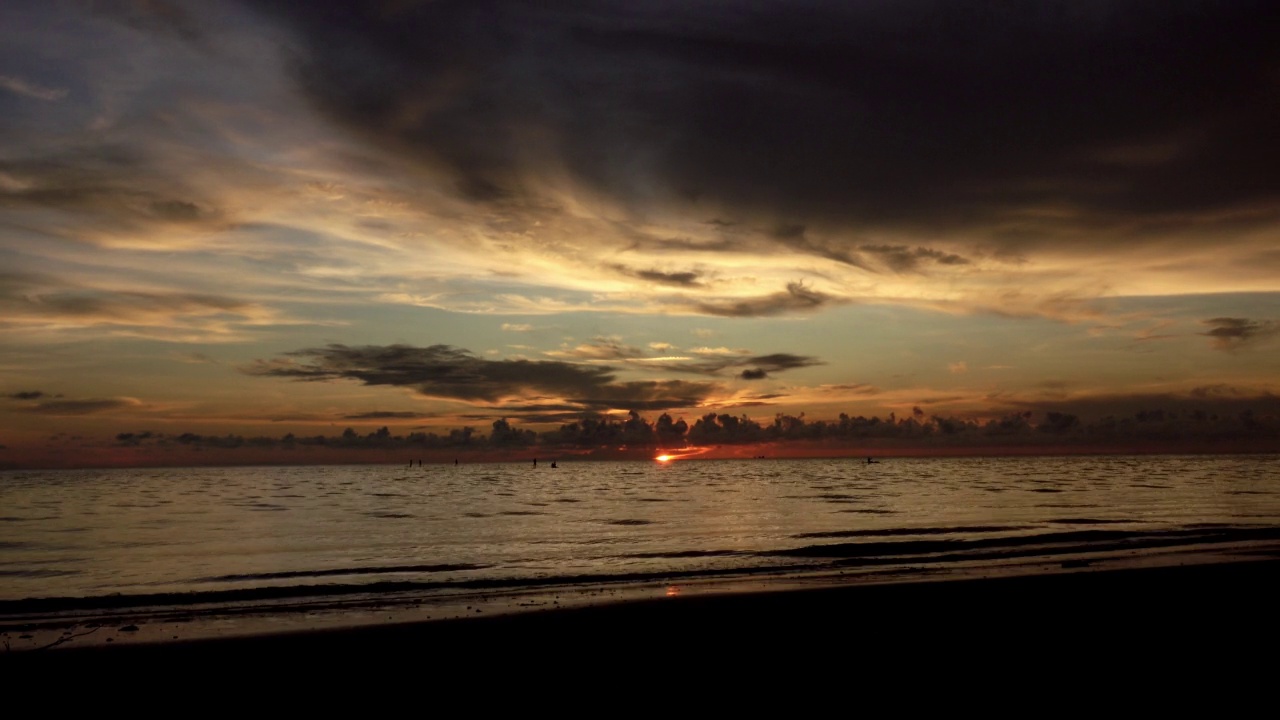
{"points": [[869, 461], [553, 463], [535, 462], [455, 461]]}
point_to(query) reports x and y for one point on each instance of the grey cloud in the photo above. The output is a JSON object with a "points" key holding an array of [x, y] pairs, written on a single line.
{"points": [[651, 395], [437, 371], [176, 210], [752, 368], [1231, 333], [112, 185], [858, 388], [385, 415], [153, 16], [27, 395], [448, 372], [901, 258], [796, 298], [680, 279], [795, 237], [1223, 400], [600, 349], [79, 407], [912, 114], [121, 305], [30, 89]]}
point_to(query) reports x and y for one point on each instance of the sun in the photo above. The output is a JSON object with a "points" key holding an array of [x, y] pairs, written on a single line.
{"points": [[665, 458]]}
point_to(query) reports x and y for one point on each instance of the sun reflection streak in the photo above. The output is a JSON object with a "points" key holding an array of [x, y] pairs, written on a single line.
{"points": [[667, 456]]}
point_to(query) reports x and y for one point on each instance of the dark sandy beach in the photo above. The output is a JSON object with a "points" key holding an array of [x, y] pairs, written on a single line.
{"points": [[1217, 618]]}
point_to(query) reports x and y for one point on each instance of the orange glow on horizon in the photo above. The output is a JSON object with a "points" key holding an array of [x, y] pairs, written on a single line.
{"points": [[669, 455]]}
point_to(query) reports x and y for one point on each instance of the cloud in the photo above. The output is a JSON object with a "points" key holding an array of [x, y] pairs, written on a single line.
{"points": [[796, 298], [152, 16], [443, 371], [30, 89], [957, 368], [812, 116], [436, 371], [1232, 333], [517, 327], [602, 348], [46, 304], [108, 194], [901, 258], [747, 368], [81, 407], [385, 415], [27, 395], [687, 279], [1220, 399], [854, 388]]}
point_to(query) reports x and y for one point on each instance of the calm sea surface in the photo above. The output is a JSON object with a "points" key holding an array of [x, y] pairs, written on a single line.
{"points": [[221, 533]]}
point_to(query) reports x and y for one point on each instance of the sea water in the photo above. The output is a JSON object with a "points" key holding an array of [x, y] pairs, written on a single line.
{"points": [[298, 531]]}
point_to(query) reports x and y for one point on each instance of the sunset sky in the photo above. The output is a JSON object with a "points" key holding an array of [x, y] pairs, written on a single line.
{"points": [[268, 217]]}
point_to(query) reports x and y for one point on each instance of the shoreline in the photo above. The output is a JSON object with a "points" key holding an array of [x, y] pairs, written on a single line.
{"points": [[1207, 607]]}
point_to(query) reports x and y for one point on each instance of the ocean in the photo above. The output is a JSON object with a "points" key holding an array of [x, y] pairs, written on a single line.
{"points": [[78, 542]]}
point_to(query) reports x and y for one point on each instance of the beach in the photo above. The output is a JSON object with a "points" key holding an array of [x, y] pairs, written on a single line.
{"points": [[1208, 616]]}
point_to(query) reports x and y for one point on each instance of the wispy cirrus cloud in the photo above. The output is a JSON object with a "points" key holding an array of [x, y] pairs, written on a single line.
{"points": [[30, 89]]}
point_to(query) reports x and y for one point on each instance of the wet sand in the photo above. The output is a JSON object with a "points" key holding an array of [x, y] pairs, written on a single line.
{"points": [[1212, 618]]}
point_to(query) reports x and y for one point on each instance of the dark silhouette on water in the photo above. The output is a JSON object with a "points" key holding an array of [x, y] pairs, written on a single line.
{"points": [[553, 463], [535, 462], [870, 461]]}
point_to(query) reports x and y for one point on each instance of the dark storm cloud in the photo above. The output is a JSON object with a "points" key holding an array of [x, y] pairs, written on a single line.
{"points": [[919, 113], [796, 298], [1230, 333], [444, 371], [26, 395], [385, 415]]}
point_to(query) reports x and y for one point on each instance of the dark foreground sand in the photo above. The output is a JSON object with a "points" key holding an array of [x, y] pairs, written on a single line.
{"points": [[1205, 619]]}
